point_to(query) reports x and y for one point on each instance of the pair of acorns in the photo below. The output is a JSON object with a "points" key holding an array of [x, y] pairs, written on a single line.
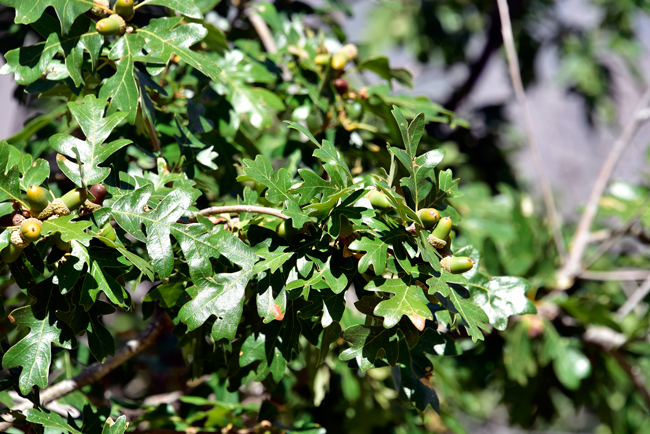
{"points": [[115, 24], [40, 209], [439, 238], [347, 53]]}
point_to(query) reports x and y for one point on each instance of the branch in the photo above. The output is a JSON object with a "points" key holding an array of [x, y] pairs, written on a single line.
{"points": [[237, 209], [636, 297], [634, 274], [96, 371], [265, 35], [606, 245], [634, 374], [573, 264], [515, 76]]}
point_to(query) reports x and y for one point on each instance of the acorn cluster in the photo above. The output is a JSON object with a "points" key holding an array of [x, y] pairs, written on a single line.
{"points": [[115, 23], [25, 224], [439, 237]]}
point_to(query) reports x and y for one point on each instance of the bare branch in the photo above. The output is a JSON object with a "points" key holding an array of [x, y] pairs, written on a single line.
{"points": [[237, 209], [573, 265], [613, 239], [515, 76], [635, 375], [634, 274], [97, 371], [634, 299]]}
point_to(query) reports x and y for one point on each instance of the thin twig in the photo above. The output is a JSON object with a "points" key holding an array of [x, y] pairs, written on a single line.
{"points": [[237, 209], [154, 138], [615, 275], [613, 239], [97, 371], [573, 265], [634, 299], [265, 35], [515, 76]]}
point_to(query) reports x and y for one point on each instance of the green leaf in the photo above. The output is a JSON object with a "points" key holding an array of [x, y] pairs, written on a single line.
{"points": [[185, 7], [33, 352], [91, 152], [50, 420], [30, 63], [369, 343], [118, 426], [69, 230], [129, 213], [379, 65], [278, 182], [166, 36], [258, 347], [121, 88], [221, 296], [66, 10], [408, 300], [36, 174]]}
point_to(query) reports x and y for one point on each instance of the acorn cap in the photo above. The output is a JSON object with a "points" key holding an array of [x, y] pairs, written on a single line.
{"points": [[59, 207], [436, 242], [350, 51], [101, 9], [16, 238], [47, 212]]}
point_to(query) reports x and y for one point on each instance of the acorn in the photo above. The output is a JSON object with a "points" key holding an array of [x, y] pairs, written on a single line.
{"points": [[98, 191], [379, 201], [350, 51], [288, 232], [124, 8], [30, 229], [37, 199], [60, 244], [457, 264], [429, 217], [439, 234], [75, 198], [322, 59], [341, 86], [10, 253], [113, 25], [101, 8], [108, 232], [339, 60]]}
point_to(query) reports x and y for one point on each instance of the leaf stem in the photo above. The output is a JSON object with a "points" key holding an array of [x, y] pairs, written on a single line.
{"points": [[238, 209]]}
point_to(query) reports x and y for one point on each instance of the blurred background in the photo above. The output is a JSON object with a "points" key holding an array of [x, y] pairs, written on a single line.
{"points": [[582, 364]]}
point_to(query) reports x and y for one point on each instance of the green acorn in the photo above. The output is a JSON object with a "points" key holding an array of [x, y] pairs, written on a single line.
{"points": [[113, 25], [75, 198], [429, 217], [440, 233], [346, 228], [124, 8], [457, 264], [379, 201], [60, 244], [108, 232], [288, 232], [10, 253], [37, 199], [322, 59], [354, 111], [30, 229]]}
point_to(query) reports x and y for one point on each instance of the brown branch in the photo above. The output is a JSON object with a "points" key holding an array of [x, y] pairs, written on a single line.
{"points": [[515, 76], [96, 371], [237, 209], [573, 265]]}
